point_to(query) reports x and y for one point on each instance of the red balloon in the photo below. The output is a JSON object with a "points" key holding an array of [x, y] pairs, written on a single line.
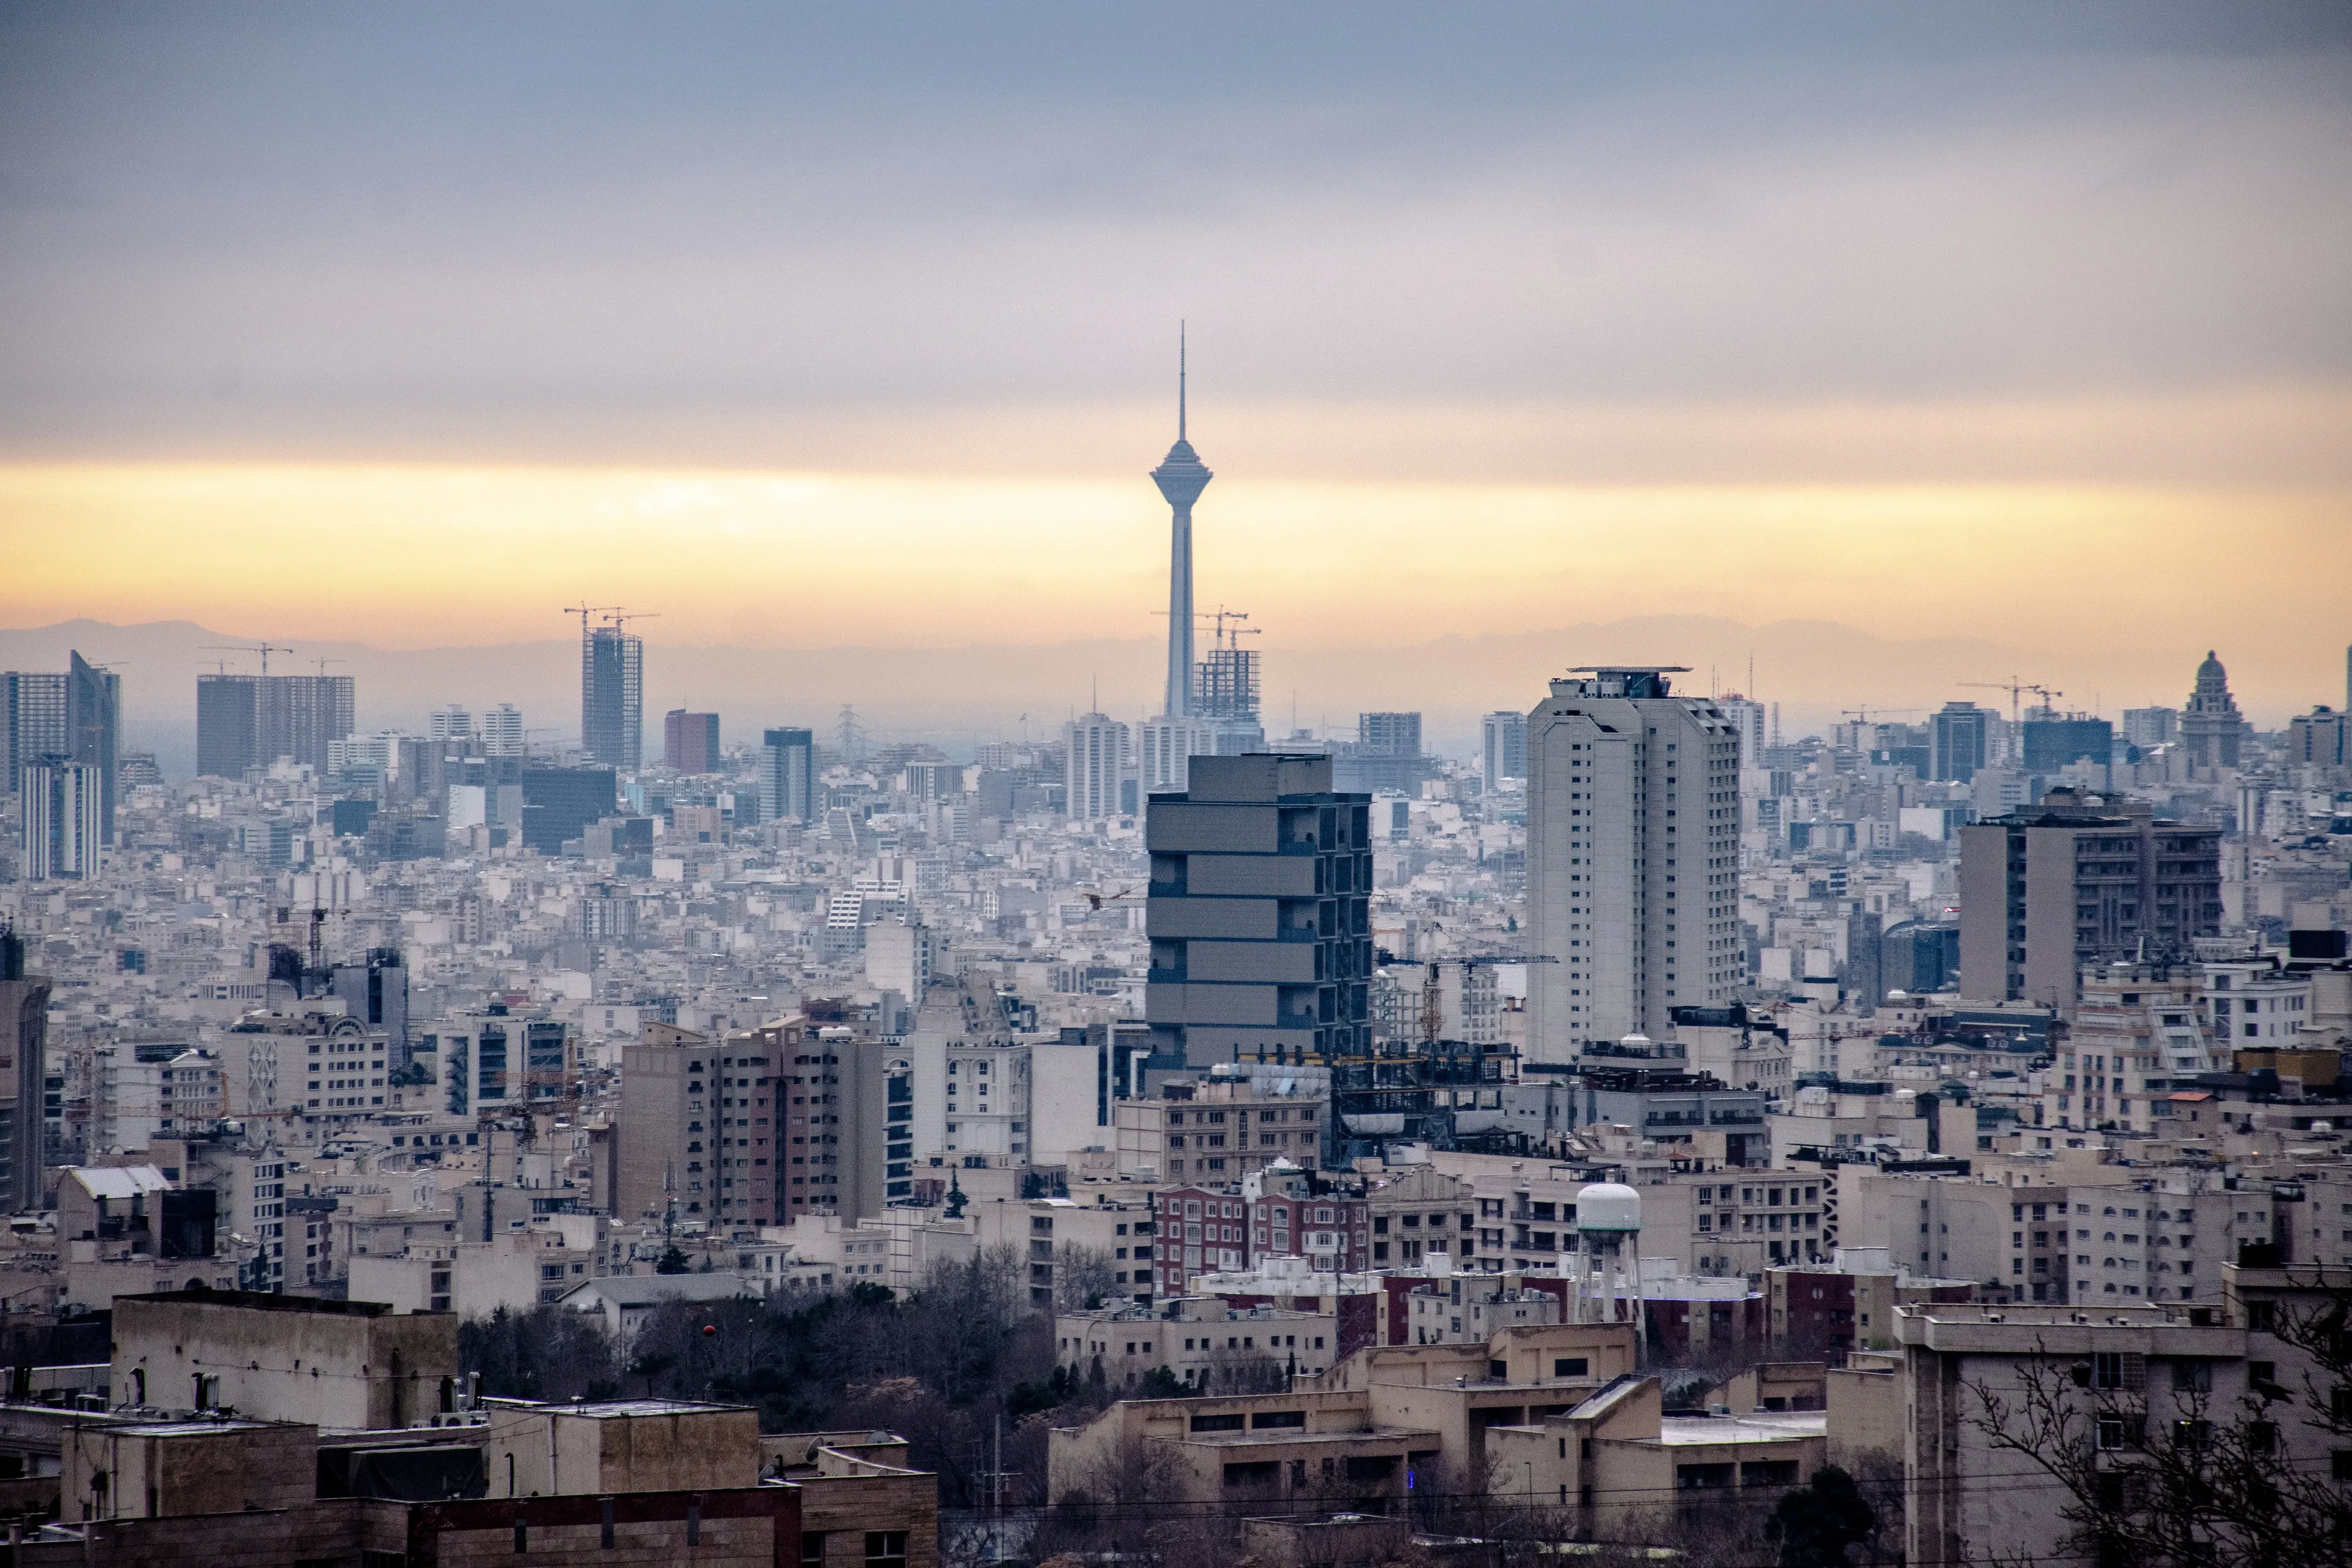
{"points": [[708, 1330]]}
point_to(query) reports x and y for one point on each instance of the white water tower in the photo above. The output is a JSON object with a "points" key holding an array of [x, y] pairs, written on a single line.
{"points": [[1607, 1266]]}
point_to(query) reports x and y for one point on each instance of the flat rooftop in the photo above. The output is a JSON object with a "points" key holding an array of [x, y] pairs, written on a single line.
{"points": [[1294, 1435], [1763, 1426], [264, 1301]]}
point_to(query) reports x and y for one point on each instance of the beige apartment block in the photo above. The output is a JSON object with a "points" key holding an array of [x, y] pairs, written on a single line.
{"points": [[1615, 1455], [2143, 1368], [343, 1365], [1384, 1420]]}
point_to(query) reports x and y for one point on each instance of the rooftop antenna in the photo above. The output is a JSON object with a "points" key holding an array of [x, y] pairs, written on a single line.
{"points": [[1180, 380]]}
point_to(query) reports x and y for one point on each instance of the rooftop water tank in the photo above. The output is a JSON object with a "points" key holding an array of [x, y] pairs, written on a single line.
{"points": [[1608, 1206]]}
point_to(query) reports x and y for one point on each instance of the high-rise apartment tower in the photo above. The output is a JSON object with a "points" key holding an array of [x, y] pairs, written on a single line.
{"points": [[62, 814], [2049, 889], [252, 721], [1632, 858], [1097, 768]]}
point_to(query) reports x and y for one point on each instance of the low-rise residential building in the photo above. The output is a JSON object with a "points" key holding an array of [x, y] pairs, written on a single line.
{"points": [[1237, 1119], [1617, 1454], [2122, 1376], [1846, 1304], [1383, 1422], [1200, 1341], [1204, 1231], [1105, 1247]]}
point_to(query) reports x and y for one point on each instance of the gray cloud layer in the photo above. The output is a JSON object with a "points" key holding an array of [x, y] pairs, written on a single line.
{"points": [[261, 230]]}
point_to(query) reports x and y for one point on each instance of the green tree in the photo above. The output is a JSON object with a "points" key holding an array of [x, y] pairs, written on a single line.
{"points": [[1815, 1523], [673, 1260]]}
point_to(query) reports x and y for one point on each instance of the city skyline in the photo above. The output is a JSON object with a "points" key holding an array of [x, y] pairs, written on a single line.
{"points": [[1482, 344]]}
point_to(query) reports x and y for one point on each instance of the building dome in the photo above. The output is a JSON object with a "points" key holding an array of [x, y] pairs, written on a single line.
{"points": [[1609, 1206]]}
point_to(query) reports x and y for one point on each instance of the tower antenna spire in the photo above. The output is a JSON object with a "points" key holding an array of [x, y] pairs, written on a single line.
{"points": [[1180, 380]]}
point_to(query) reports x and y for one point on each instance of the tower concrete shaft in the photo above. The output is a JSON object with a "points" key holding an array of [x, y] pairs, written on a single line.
{"points": [[1181, 477]]}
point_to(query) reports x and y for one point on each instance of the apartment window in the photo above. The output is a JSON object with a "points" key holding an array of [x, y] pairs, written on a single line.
{"points": [[886, 1549]]}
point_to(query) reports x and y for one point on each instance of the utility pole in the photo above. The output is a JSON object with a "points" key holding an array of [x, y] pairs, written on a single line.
{"points": [[996, 1495]]}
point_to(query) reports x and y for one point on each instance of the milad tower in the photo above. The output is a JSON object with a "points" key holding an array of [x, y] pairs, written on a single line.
{"points": [[1181, 477]]}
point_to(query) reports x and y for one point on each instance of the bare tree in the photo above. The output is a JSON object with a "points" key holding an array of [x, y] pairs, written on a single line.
{"points": [[1234, 1371], [2177, 1476], [1082, 1277]]}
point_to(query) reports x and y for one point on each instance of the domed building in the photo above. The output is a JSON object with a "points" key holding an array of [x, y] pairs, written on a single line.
{"points": [[2211, 728]]}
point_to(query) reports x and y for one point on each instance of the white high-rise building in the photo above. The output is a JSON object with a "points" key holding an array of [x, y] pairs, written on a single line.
{"points": [[451, 723], [62, 814], [1748, 717], [1632, 859], [1503, 749], [1097, 765], [502, 731], [1167, 747]]}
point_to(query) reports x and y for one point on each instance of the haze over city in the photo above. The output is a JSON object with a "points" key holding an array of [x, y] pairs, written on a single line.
{"points": [[1068, 786]]}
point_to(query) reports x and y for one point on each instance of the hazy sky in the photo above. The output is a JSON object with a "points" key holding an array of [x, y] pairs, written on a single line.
{"points": [[2020, 321]]}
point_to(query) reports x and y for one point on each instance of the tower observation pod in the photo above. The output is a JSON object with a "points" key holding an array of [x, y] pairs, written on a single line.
{"points": [[1606, 1266]]}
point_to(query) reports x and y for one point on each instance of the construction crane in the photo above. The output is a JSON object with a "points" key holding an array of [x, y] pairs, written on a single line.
{"points": [[1862, 715], [264, 649], [583, 610], [1432, 1000], [2015, 686], [620, 617], [322, 664]]}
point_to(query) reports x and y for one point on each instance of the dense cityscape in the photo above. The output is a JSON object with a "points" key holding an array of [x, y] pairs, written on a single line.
{"points": [[1290, 787], [1329, 1130]]}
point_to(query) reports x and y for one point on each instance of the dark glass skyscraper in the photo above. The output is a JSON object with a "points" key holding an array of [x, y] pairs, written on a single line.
{"points": [[93, 727], [560, 803], [787, 766], [1957, 740]]}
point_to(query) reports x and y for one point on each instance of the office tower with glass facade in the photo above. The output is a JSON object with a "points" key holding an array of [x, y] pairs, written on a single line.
{"points": [[787, 774], [1502, 749], [1958, 737], [35, 715]]}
